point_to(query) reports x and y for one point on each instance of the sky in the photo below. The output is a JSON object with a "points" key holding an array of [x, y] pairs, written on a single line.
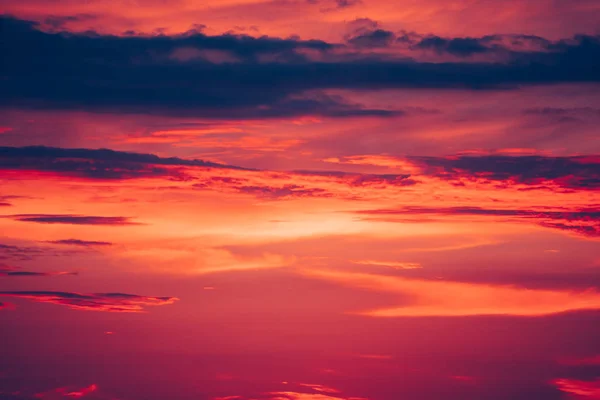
{"points": [[300, 200]]}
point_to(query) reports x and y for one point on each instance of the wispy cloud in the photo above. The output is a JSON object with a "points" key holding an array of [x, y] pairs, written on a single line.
{"points": [[446, 298], [79, 242], [565, 173], [390, 264], [585, 221], [71, 219], [111, 302], [9, 271], [579, 389]]}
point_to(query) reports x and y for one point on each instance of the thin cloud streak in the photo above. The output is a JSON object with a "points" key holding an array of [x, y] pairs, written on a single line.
{"points": [[108, 302]]}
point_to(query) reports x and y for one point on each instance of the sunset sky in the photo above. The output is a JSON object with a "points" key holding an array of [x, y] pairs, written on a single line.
{"points": [[300, 200]]}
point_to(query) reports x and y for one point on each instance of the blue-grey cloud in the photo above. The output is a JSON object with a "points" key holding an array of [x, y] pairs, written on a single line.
{"points": [[111, 302], [236, 76], [71, 219], [584, 221], [79, 242], [566, 173], [97, 163]]}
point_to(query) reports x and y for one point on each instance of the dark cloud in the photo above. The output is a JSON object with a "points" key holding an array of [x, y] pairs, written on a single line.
{"points": [[513, 47], [100, 164], [113, 302], [97, 163], [26, 253], [314, 104], [5, 200], [291, 190], [79, 242], [335, 5], [262, 191], [57, 22], [569, 173], [374, 38], [284, 191], [72, 219], [584, 222], [564, 115], [556, 111], [358, 179], [6, 270], [462, 47], [198, 75], [109, 164], [347, 3]]}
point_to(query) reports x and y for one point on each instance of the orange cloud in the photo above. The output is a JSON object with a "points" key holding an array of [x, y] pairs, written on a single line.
{"points": [[439, 298], [320, 388]]}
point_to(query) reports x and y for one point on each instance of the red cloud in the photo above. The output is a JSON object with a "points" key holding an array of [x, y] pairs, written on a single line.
{"points": [[588, 390]]}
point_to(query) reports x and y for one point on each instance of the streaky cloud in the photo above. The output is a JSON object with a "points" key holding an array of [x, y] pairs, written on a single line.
{"points": [[584, 221], [79, 242], [110, 302], [71, 219], [567, 173], [429, 298]]}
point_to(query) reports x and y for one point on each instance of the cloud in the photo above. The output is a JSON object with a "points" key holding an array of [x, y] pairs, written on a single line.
{"points": [[359, 179], [67, 393], [6, 270], [72, 219], [107, 164], [97, 163], [347, 3], [284, 191], [58, 22], [320, 392], [445, 298], [577, 389], [265, 191], [514, 47], [371, 38], [5, 200], [576, 172], [111, 302], [307, 396], [24, 253], [593, 360], [303, 184], [319, 388], [389, 264], [582, 221], [562, 111], [79, 242], [270, 77], [462, 47]]}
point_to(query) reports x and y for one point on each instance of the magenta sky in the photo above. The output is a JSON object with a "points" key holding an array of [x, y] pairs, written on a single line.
{"points": [[300, 200]]}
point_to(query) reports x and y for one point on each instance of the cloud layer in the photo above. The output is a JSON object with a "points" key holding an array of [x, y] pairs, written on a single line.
{"points": [[235, 76]]}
